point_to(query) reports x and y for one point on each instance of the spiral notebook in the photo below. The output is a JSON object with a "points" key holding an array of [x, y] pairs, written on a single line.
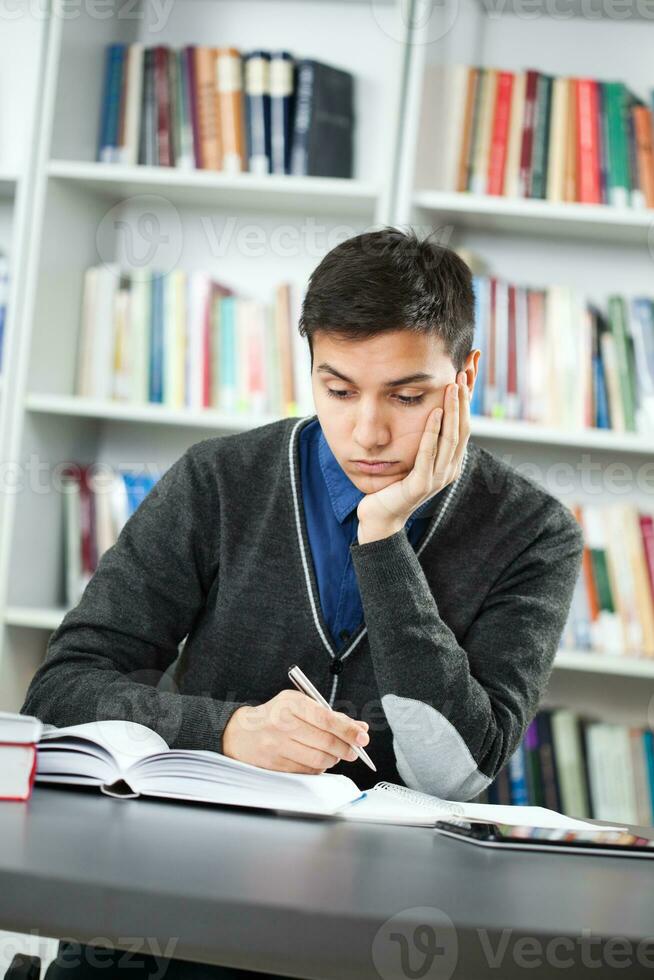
{"points": [[391, 803]]}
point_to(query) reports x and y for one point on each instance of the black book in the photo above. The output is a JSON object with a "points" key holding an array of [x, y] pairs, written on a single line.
{"points": [[323, 130]]}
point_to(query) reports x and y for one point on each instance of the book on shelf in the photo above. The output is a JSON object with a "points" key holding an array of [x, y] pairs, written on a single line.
{"points": [[97, 505], [582, 767], [612, 608], [125, 760], [217, 108], [531, 134], [183, 340], [551, 357]]}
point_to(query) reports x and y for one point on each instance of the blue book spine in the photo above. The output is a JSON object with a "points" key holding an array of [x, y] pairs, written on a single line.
{"points": [[156, 339], [648, 738], [137, 486], [110, 118], [480, 286], [281, 111], [602, 421], [518, 777], [227, 353]]}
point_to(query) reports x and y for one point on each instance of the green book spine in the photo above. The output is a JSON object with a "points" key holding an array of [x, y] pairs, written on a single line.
{"points": [[602, 581], [618, 146], [618, 324], [541, 137], [476, 127]]}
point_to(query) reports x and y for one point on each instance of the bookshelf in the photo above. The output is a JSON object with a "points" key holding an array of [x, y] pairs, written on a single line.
{"points": [[597, 249], [74, 200], [208, 217]]}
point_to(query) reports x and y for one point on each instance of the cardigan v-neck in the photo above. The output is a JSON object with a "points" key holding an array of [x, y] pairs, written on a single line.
{"points": [[435, 508], [329, 501]]}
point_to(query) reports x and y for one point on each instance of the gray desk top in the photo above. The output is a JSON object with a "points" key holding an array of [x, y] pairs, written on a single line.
{"points": [[308, 897]]}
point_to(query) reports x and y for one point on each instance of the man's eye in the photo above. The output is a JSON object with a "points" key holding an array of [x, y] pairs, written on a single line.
{"points": [[403, 399]]}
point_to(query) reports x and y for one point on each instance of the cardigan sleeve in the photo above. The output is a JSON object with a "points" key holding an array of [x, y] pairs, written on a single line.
{"points": [[458, 710], [110, 651]]}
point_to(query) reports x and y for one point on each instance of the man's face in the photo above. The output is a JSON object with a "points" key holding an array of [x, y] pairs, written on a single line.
{"points": [[368, 419]]}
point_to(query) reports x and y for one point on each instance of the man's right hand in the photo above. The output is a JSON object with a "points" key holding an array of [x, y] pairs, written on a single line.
{"points": [[292, 733]]}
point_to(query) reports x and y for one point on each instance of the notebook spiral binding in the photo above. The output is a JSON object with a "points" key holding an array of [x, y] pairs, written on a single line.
{"points": [[421, 799]]}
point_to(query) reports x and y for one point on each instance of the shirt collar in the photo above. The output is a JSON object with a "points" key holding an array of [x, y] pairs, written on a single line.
{"points": [[343, 494]]}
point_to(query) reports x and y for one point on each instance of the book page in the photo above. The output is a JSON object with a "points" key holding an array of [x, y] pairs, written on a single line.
{"points": [[125, 742]]}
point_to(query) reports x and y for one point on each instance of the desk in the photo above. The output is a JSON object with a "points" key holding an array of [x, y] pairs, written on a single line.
{"points": [[309, 898]]}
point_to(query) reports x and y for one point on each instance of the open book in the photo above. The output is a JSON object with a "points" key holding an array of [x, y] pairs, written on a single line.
{"points": [[126, 760]]}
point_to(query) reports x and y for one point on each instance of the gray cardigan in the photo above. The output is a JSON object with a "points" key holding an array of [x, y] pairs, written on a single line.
{"points": [[448, 667]]}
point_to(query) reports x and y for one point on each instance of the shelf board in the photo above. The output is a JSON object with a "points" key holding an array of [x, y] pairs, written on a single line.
{"points": [[483, 428], [524, 216], [528, 432], [8, 183], [48, 619], [70, 405], [274, 192], [604, 663], [35, 617]]}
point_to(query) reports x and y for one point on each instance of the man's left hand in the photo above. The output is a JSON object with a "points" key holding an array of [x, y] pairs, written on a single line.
{"points": [[438, 462]]}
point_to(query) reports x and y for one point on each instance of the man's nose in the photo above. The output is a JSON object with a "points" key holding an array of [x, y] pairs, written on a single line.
{"points": [[371, 429]]}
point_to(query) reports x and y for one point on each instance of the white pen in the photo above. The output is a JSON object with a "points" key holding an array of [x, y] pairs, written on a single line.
{"points": [[304, 685]]}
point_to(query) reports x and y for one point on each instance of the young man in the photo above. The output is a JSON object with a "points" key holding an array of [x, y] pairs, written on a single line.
{"points": [[424, 596]]}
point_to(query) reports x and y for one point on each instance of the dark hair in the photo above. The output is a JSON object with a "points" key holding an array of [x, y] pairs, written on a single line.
{"points": [[390, 280]]}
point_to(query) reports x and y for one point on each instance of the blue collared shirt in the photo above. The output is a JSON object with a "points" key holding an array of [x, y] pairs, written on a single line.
{"points": [[330, 501]]}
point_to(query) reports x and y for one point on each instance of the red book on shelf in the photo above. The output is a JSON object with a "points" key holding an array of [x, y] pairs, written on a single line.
{"points": [[207, 348], [587, 144], [526, 146], [647, 530], [162, 100], [192, 85], [512, 401], [500, 132]]}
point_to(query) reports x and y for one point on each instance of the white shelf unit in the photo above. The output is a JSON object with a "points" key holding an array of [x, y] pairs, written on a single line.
{"points": [[75, 200], [597, 249], [22, 49], [79, 213]]}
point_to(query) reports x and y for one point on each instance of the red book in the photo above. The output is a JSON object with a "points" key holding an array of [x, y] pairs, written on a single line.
{"points": [[26, 756], [647, 529], [87, 523], [512, 367], [207, 347], [491, 382], [587, 142], [527, 145], [191, 82], [500, 132], [162, 97]]}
